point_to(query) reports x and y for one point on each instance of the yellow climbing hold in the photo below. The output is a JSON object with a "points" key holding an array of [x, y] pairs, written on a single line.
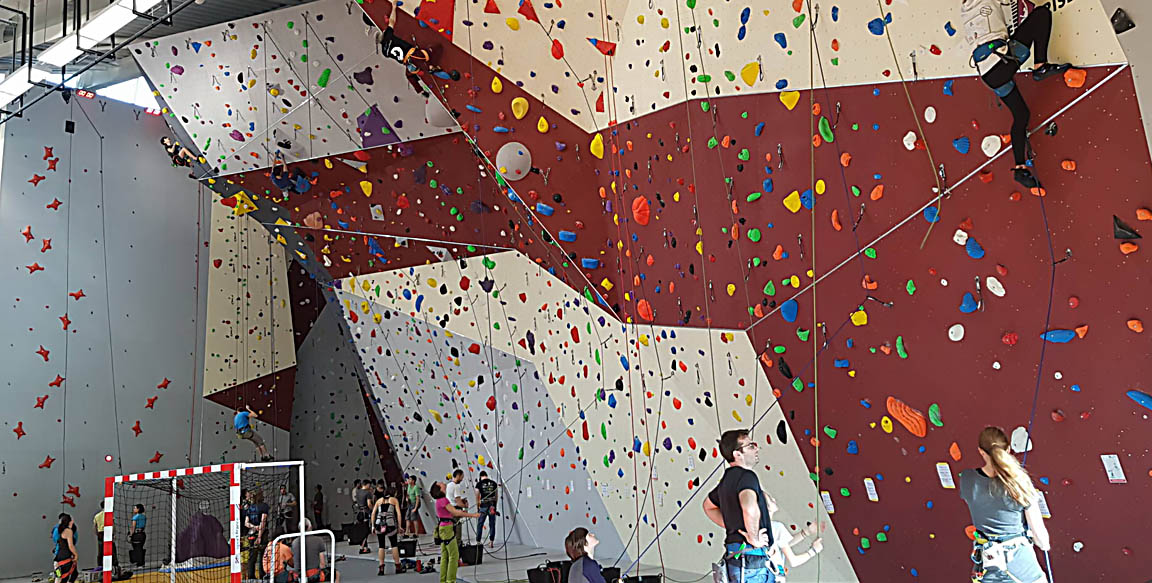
{"points": [[512, 23], [748, 400], [497, 85], [644, 339], [327, 163], [366, 187], [751, 73], [519, 107], [647, 449], [736, 416], [274, 92], [377, 317], [480, 460], [640, 19], [794, 281], [431, 282], [820, 186], [886, 424], [597, 146], [436, 415], [790, 99], [792, 201], [542, 125], [364, 307], [860, 317], [607, 285], [700, 247], [731, 289]]}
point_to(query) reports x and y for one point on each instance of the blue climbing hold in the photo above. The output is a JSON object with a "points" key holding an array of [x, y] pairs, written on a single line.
{"points": [[841, 363], [835, 14], [512, 196], [948, 28], [1075, 388], [544, 209], [589, 263], [1059, 336], [781, 40], [781, 83], [932, 214], [1144, 399], [759, 129], [473, 109], [968, 304], [566, 236], [948, 87], [962, 144], [624, 363], [866, 403], [853, 447], [975, 251], [876, 26], [806, 199], [768, 186], [743, 32], [789, 310]]}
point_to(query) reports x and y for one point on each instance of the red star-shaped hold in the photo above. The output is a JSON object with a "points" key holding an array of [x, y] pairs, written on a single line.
{"points": [[156, 458], [19, 431], [56, 383], [43, 352], [27, 232], [45, 245], [40, 402], [35, 180], [33, 268], [69, 501], [47, 462], [152, 402], [54, 205], [48, 152], [73, 490], [65, 321], [164, 383], [137, 429], [52, 164], [76, 295]]}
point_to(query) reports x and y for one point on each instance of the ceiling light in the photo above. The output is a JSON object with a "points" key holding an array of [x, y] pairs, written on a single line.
{"points": [[19, 82], [61, 53], [105, 24], [139, 5]]}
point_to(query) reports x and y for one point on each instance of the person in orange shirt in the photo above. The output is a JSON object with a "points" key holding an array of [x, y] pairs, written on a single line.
{"points": [[278, 560]]}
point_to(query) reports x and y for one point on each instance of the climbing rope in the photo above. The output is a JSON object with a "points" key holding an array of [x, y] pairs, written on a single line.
{"points": [[817, 471]]}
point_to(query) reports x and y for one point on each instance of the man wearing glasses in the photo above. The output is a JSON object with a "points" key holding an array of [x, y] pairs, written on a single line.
{"points": [[739, 506]]}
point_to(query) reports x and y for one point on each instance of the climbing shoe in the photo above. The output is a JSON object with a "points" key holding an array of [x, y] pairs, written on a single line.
{"points": [[1025, 177], [1049, 69]]}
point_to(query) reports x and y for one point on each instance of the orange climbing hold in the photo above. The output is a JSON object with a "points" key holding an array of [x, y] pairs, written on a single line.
{"points": [[845, 159], [1128, 247], [1039, 191], [1069, 165], [1135, 325], [645, 310], [877, 192], [778, 253], [910, 418], [1082, 331], [954, 451], [868, 284], [1144, 214], [641, 212], [815, 109], [1075, 78], [797, 5], [836, 220], [970, 531], [816, 141]]}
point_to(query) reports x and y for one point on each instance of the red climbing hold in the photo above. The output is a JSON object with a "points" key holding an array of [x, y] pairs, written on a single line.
{"points": [[45, 245], [528, 11], [164, 383], [52, 164], [48, 152], [56, 383], [68, 500], [465, 282], [65, 321], [557, 49], [1010, 338], [641, 211], [645, 310], [605, 47], [27, 232], [600, 103], [73, 490], [35, 180], [156, 458], [19, 431], [575, 334], [1073, 301], [33, 268], [136, 428], [54, 205], [43, 352], [40, 402], [47, 462], [474, 349], [491, 403], [491, 7], [76, 295], [152, 402]]}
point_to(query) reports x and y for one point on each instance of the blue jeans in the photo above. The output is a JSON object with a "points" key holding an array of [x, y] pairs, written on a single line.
{"points": [[750, 567], [486, 513]]}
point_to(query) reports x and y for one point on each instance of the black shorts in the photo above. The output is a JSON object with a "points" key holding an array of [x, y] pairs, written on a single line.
{"points": [[386, 537]]}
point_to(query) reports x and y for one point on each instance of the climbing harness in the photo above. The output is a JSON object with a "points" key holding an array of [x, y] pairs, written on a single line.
{"points": [[994, 555], [1009, 51]]}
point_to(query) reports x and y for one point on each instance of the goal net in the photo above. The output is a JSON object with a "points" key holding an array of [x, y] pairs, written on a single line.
{"points": [[207, 524]]}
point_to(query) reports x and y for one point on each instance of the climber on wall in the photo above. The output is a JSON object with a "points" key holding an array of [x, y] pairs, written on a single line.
{"points": [[1004, 507], [409, 54], [999, 50], [244, 430], [295, 181]]}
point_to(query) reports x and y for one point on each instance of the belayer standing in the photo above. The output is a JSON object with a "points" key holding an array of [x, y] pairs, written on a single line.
{"points": [[1001, 42]]}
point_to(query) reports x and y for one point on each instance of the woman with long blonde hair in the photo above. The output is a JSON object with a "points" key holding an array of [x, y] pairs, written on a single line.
{"points": [[1006, 514]]}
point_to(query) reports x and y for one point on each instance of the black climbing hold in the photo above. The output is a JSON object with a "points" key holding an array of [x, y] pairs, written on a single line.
{"points": [[782, 432], [1121, 22], [1120, 230], [785, 369]]}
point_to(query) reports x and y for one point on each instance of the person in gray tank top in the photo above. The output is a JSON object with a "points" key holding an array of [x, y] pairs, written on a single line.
{"points": [[581, 546], [1005, 513]]}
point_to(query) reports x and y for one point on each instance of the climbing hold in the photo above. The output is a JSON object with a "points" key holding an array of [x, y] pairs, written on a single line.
{"points": [[789, 310], [962, 144], [557, 49], [845, 159], [1143, 214], [792, 201], [1058, 336], [1121, 230], [974, 250], [900, 350], [934, 415], [1142, 398], [930, 114], [956, 332], [994, 286], [597, 146], [877, 192], [954, 451], [790, 99], [514, 161], [826, 130], [910, 418], [644, 309], [641, 210], [910, 141], [1075, 78], [754, 235], [519, 107], [853, 447], [513, 23], [497, 85], [860, 317], [1128, 247], [1135, 325], [1020, 440], [1069, 165], [968, 303], [589, 263], [990, 145], [750, 73], [542, 125]]}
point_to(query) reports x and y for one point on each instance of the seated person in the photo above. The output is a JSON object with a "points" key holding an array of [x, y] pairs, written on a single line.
{"points": [[408, 54], [580, 546], [316, 555]]}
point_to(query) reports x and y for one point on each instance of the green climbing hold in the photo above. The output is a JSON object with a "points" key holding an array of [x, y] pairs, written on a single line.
{"points": [[432, 183], [814, 476], [744, 155], [845, 493], [779, 349], [690, 4], [729, 75], [704, 105], [803, 334], [587, 292], [704, 79], [830, 432], [855, 191], [515, 387], [606, 464], [934, 415], [488, 263], [911, 287], [900, 347], [322, 81], [836, 61], [598, 356], [603, 431], [453, 211], [756, 261], [291, 25], [770, 288], [826, 130], [865, 543], [870, 252], [796, 22], [304, 58], [744, 115], [754, 235], [872, 349], [713, 142], [755, 196], [881, 537], [855, 127], [471, 248], [798, 384]]}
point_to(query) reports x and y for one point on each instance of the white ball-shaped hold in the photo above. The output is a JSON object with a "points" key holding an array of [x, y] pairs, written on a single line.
{"points": [[996, 365], [1058, 375], [910, 141], [514, 161], [438, 116], [1077, 546], [960, 237], [930, 114], [1021, 441], [990, 145], [944, 282], [956, 332]]}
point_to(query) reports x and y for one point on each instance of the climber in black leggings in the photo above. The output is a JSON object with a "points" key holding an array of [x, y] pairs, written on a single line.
{"points": [[997, 55]]}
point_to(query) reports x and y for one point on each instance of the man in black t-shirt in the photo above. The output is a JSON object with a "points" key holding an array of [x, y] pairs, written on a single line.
{"points": [[408, 54], [487, 494], [738, 505]]}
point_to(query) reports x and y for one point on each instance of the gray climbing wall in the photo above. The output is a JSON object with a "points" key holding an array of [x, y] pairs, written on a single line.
{"points": [[115, 370], [329, 428]]}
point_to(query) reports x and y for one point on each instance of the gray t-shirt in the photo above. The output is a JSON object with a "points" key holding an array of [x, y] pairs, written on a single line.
{"points": [[994, 512], [363, 500], [315, 546]]}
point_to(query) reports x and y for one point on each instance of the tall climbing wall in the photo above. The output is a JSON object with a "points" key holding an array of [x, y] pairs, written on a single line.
{"points": [[102, 350], [305, 81]]}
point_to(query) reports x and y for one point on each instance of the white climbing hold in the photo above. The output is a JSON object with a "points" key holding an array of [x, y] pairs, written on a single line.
{"points": [[930, 114], [960, 237], [990, 145], [996, 365], [910, 141], [1058, 375], [956, 332], [1020, 441], [994, 286], [1077, 546], [944, 282]]}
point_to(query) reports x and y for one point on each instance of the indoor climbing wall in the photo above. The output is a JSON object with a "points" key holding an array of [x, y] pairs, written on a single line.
{"points": [[102, 348], [305, 81], [248, 327], [330, 431], [460, 350]]}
